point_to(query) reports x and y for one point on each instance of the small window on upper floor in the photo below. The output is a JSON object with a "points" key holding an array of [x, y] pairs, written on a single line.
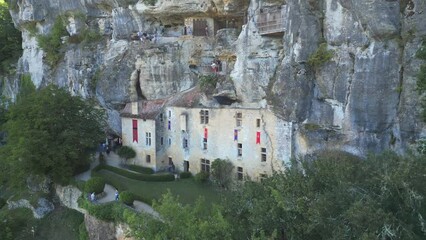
{"points": [[185, 143], [161, 141], [148, 158], [239, 149], [170, 141], [148, 139], [239, 119], [161, 117], [258, 123], [170, 114], [204, 116]]}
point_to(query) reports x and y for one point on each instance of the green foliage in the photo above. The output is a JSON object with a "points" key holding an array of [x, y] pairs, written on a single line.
{"points": [[95, 79], [127, 198], [10, 40], [51, 132], [14, 224], [95, 184], [178, 221], [26, 87], [208, 82], [202, 177], [184, 175], [82, 230], [126, 152], [336, 197], [52, 43], [320, 56], [222, 172], [136, 176], [31, 27], [140, 169], [2, 202]]}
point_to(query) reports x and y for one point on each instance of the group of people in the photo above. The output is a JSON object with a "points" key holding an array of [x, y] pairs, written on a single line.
{"points": [[216, 66], [93, 196], [143, 36]]}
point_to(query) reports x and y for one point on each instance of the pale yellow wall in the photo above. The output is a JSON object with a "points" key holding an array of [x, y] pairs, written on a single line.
{"points": [[275, 137], [140, 147]]}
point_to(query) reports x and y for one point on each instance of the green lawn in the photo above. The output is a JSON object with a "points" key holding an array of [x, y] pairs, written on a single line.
{"points": [[187, 189]]}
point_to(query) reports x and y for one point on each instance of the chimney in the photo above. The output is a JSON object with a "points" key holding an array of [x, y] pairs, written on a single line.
{"points": [[135, 110]]}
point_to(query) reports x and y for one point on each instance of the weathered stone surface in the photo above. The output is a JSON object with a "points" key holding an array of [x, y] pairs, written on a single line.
{"points": [[43, 206], [99, 229], [362, 100], [68, 196]]}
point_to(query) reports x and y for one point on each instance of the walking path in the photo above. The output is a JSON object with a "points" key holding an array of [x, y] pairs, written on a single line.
{"points": [[114, 160]]}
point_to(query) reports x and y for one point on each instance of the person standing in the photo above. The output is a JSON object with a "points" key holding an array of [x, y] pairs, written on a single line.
{"points": [[117, 195]]}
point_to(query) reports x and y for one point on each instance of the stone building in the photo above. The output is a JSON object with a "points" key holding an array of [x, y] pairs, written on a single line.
{"points": [[178, 132]]}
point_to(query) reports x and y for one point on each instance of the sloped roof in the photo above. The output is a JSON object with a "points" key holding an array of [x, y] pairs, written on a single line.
{"points": [[149, 109], [146, 109]]}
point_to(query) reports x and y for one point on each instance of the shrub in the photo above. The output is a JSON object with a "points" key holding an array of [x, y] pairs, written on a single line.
{"points": [[95, 184], [185, 174], [222, 172], [140, 169], [81, 168], [2, 202], [202, 177], [320, 56], [52, 42], [126, 152], [208, 82], [136, 176], [82, 230], [127, 198]]}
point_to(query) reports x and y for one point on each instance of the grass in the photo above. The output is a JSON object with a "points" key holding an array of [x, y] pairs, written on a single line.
{"points": [[63, 223], [187, 189]]}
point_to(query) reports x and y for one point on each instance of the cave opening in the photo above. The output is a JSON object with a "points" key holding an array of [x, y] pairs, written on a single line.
{"points": [[138, 87]]}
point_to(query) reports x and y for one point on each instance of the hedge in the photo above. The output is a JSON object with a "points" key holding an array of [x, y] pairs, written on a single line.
{"points": [[96, 184], [140, 169], [202, 177], [185, 174], [136, 176]]}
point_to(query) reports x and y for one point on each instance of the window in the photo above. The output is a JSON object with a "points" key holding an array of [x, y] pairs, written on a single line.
{"points": [[204, 116], [170, 141], [135, 130], [161, 141], [148, 139], [239, 118], [263, 176], [170, 114], [161, 117], [258, 123], [185, 143], [148, 158], [240, 173], [205, 165], [204, 143], [263, 154], [239, 149]]}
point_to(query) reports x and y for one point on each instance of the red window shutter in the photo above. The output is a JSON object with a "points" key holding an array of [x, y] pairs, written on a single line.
{"points": [[257, 137], [205, 133], [135, 130]]}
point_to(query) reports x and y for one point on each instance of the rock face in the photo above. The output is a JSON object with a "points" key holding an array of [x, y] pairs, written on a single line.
{"points": [[42, 209], [101, 230], [362, 100]]}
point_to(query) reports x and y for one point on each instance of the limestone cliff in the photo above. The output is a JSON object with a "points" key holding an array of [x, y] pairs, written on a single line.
{"points": [[362, 100]]}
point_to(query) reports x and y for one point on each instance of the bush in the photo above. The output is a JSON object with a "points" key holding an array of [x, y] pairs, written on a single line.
{"points": [[140, 169], [126, 152], [136, 176], [321, 56], [95, 184], [208, 82], [127, 198], [82, 230], [2, 202], [185, 174], [202, 177], [222, 172], [52, 42], [81, 168]]}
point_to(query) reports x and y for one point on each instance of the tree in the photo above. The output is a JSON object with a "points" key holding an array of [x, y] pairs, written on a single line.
{"points": [[10, 39], [201, 221], [126, 152], [51, 132], [222, 172], [336, 197]]}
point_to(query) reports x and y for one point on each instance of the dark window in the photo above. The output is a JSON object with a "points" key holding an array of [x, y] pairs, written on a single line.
{"points": [[148, 139], [161, 141], [148, 158], [239, 149], [240, 175], [263, 154], [258, 122], [205, 165], [161, 117], [204, 116], [239, 118], [185, 143], [204, 143]]}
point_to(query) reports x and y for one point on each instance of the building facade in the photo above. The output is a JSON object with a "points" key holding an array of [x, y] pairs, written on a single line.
{"points": [[254, 140]]}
